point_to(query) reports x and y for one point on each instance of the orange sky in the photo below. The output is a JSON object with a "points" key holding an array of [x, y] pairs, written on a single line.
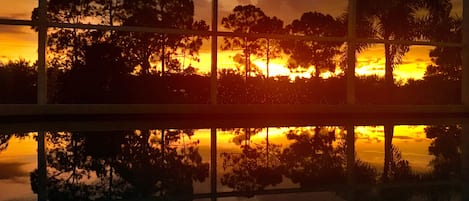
{"points": [[21, 42]]}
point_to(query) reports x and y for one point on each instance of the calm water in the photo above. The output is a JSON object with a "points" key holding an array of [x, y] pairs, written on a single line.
{"points": [[400, 162]]}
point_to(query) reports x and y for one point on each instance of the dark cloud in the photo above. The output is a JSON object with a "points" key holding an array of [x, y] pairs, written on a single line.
{"points": [[243, 2], [288, 10], [406, 62], [421, 60], [10, 29], [403, 137], [22, 15], [203, 10], [12, 170]]}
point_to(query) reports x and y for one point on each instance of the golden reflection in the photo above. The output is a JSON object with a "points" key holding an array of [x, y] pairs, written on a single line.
{"points": [[410, 140]]}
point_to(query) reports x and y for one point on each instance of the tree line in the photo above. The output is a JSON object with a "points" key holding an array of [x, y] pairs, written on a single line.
{"points": [[95, 66]]}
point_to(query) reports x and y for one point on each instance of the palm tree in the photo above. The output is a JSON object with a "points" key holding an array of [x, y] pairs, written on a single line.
{"points": [[399, 20]]}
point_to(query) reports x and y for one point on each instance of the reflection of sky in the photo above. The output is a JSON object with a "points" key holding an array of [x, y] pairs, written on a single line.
{"points": [[410, 140], [16, 162]]}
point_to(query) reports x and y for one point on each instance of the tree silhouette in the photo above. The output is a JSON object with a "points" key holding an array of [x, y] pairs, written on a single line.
{"points": [[139, 49], [105, 71], [320, 55], [271, 47], [18, 82], [447, 63], [142, 49], [244, 19]]}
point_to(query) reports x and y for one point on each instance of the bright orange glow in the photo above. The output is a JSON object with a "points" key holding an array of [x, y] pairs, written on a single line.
{"points": [[21, 45], [410, 140], [413, 66], [275, 69], [369, 62]]}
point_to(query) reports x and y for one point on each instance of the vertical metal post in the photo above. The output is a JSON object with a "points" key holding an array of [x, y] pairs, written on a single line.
{"points": [[465, 55], [465, 160], [41, 56], [350, 143], [41, 167], [351, 47], [214, 54], [213, 163]]}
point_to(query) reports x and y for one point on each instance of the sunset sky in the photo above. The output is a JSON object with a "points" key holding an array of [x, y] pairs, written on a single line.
{"points": [[21, 42]]}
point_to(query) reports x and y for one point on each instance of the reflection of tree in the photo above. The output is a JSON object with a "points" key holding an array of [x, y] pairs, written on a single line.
{"points": [[446, 147], [160, 167], [312, 159], [243, 135], [70, 168], [315, 158], [5, 139], [395, 167], [255, 168], [97, 165]]}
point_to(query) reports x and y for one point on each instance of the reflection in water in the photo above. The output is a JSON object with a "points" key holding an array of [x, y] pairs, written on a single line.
{"points": [[17, 160], [168, 164], [120, 165], [446, 147], [256, 167], [315, 158]]}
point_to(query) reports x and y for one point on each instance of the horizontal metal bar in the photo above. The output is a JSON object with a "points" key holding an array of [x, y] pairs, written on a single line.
{"points": [[327, 188], [16, 22], [405, 42], [227, 34], [127, 28], [332, 188], [250, 35], [228, 109], [193, 32]]}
